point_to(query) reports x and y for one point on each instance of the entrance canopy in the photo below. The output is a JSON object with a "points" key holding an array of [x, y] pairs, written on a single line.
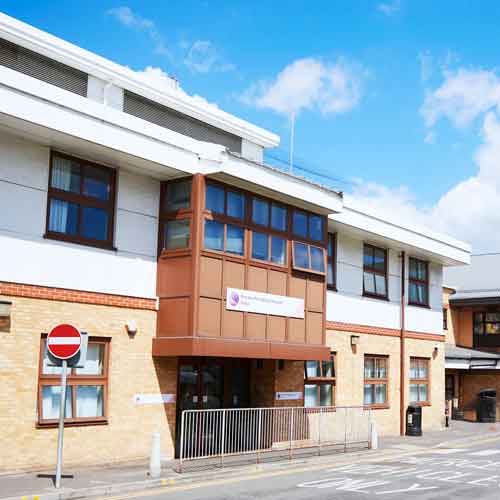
{"points": [[470, 359]]}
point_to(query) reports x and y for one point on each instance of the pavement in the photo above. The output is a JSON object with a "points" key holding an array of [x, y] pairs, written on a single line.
{"points": [[468, 453]]}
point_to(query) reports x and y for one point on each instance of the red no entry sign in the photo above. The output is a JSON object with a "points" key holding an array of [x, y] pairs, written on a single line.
{"points": [[64, 341]]}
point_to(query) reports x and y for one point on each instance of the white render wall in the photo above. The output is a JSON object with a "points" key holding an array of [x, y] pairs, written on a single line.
{"points": [[348, 305], [26, 257]]}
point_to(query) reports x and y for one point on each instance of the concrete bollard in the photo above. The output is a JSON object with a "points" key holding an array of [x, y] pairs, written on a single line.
{"points": [[155, 458], [373, 436]]}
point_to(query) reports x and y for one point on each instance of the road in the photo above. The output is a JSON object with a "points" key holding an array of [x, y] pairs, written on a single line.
{"points": [[463, 472]]}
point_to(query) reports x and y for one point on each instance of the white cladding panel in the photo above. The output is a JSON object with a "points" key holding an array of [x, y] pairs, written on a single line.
{"points": [[131, 270]]}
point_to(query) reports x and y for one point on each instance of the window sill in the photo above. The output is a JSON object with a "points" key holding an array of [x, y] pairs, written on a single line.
{"points": [[416, 304], [420, 403], [77, 241], [75, 423], [375, 296], [377, 407]]}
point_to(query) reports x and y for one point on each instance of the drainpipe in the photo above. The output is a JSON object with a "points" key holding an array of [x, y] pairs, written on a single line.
{"points": [[402, 347]]}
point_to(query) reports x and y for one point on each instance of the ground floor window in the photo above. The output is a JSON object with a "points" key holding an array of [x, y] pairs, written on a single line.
{"points": [[86, 394], [376, 381], [319, 383], [419, 380]]}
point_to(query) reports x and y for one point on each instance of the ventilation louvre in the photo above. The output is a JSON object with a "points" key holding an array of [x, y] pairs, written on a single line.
{"points": [[42, 68], [158, 114]]}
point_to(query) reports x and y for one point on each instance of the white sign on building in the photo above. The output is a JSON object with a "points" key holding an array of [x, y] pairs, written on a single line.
{"points": [[264, 303]]}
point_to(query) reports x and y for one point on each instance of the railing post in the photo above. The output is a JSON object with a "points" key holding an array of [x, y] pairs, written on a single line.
{"points": [[259, 431], [291, 434], [345, 430], [181, 448], [319, 430], [223, 438]]}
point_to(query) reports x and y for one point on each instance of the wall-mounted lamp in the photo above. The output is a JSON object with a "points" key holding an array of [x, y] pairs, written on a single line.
{"points": [[354, 339], [131, 327], [436, 347]]}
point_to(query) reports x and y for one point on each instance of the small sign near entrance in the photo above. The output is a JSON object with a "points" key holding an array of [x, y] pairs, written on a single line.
{"points": [[153, 399], [64, 341], [288, 396]]}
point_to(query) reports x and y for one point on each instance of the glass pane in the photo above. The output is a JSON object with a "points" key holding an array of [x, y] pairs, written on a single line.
{"points": [[65, 175], [177, 234], [368, 394], [312, 369], [188, 387], [278, 217], [380, 368], [51, 397], [94, 224], [214, 235], [178, 195], [422, 371], [413, 269], [260, 212], [317, 259], [379, 259], [423, 391], [413, 368], [310, 395], [380, 393], [369, 282], [89, 401], [330, 245], [235, 239], [326, 395], [327, 367], [422, 271], [46, 368], [422, 294], [278, 250], [380, 284], [300, 255], [214, 198], [367, 256], [316, 227], [63, 217], [300, 223], [413, 393], [492, 327], [330, 279], [95, 360], [97, 182], [212, 385], [413, 293], [235, 204], [492, 317], [369, 368], [260, 248]]}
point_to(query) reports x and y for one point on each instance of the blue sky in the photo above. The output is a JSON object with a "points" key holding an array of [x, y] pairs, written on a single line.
{"points": [[395, 99]]}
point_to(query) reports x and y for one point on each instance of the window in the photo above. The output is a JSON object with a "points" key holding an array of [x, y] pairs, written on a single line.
{"points": [[308, 226], [486, 323], [376, 381], [178, 195], [419, 380], [374, 271], [224, 201], [319, 383], [308, 258], [81, 200], [331, 267], [177, 234], [269, 214], [86, 392], [224, 237], [445, 318], [419, 282], [268, 247]]}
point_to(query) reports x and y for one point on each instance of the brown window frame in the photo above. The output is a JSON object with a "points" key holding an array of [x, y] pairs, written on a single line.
{"points": [[420, 381], [377, 381], [308, 238], [322, 379], [174, 215], [224, 250], [373, 270], [308, 269], [445, 318], [74, 380], [82, 201], [332, 260], [417, 281]]}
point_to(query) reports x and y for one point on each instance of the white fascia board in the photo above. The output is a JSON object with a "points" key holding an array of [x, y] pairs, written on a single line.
{"points": [[442, 247], [457, 364], [48, 45], [40, 103], [287, 188]]}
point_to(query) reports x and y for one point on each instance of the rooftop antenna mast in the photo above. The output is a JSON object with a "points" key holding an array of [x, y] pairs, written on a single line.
{"points": [[292, 138]]}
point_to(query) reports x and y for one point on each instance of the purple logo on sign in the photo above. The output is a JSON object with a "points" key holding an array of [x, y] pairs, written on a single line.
{"points": [[234, 299]]}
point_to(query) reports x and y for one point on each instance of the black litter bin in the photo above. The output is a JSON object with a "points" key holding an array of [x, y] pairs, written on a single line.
{"points": [[414, 421], [487, 406]]}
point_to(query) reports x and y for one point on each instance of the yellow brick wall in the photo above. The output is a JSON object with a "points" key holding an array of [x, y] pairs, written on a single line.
{"points": [[350, 376], [132, 370]]}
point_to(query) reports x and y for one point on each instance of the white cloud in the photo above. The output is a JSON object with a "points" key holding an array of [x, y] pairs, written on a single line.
{"points": [[203, 57], [430, 137], [389, 8], [470, 210], [426, 66], [310, 84]]}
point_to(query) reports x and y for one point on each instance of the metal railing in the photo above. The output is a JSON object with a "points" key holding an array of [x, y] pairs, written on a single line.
{"points": [[259, 432]]}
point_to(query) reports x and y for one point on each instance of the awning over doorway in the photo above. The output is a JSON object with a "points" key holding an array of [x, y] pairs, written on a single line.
{"points": [[470, 359]]}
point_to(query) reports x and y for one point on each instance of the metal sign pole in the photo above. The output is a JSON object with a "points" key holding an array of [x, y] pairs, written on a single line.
{"points": [[62, 413]]}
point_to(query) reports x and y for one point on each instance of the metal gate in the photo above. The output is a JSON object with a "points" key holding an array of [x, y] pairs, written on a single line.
{"points": [[261, 432]]}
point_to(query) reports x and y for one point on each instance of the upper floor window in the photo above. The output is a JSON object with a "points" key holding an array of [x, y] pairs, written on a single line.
{"points": [[225, 201], [374, 271], [308, 226], [331, 267], [319, 383], [224, 237], [419, 282], [308, 258], [486, 323], [177, 195], [445, 318], [269, 214], [81, 202]]}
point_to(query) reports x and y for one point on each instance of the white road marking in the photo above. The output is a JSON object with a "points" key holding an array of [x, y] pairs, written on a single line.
{"points": [[413, 487], [448, 451], [484, 453]]}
